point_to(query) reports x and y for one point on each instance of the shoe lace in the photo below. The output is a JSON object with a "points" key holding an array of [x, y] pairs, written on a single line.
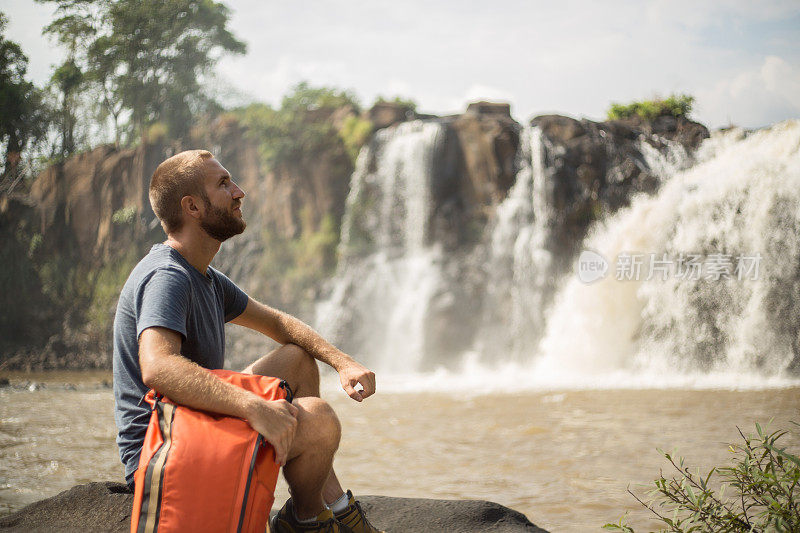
{"points": [[362, 515], [329, 526]]}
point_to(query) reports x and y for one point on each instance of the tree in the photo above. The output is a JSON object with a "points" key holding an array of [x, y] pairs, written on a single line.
{"points": [[73, 31], [67, 79], [302, 127], [23, 117], [148, 57]]}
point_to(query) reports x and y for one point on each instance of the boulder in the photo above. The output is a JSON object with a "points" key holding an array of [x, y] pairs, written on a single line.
{"points": [[489, 108], [107, 506], [595, 168]]}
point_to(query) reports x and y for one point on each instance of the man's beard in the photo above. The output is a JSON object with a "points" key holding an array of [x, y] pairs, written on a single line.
{"points": [[220, 224]]}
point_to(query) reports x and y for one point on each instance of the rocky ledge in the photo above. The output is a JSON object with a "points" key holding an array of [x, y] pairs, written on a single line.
{"points": [[107, 507]]}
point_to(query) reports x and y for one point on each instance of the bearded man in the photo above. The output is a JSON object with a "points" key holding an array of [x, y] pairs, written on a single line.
{"points": [[170, 326]]}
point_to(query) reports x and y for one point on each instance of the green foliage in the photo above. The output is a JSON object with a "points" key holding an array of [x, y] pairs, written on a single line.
{"points": [[146, 56], [125, 215], [304, 98], [303, 128], [67, 79], [355, 132], [293, 268], [407, 103], [19, 282], [107, 283], [764, 480], [679, 105], [158, 131], [23, 115]]}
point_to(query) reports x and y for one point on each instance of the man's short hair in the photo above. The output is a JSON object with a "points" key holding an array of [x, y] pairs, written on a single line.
{"points": [[180, 175]]}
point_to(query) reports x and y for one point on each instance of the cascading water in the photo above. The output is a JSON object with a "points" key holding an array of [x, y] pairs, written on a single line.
{"points": [[739, 199], [732, 320], [519, 264], [388, 271]]}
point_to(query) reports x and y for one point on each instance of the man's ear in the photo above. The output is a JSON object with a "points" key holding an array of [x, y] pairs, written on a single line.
{"points": [[192, 206]]}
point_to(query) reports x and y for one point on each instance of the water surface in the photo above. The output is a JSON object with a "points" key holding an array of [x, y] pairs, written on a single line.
{"points": [[564, 458]]}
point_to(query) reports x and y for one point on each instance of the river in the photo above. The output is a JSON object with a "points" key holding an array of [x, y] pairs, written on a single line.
{"points": [[562, 457]]}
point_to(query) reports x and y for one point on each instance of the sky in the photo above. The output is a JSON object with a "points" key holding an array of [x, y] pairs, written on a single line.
{"points": [[740, 59]]}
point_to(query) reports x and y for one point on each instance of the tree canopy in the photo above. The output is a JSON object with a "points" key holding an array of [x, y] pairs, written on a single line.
{"points": [[302, 125], [21, 112], [146, 57]]}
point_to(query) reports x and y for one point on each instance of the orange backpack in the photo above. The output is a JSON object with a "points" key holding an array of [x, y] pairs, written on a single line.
{"points": [[201, 471]]}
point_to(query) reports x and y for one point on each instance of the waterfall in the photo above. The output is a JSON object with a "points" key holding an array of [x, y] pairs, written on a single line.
{"points": [[388, 270], [733, 320], [540, 327], [519, 276]]}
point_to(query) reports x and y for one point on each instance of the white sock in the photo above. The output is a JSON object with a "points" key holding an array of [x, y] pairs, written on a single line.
{"points": [[340, 504]]}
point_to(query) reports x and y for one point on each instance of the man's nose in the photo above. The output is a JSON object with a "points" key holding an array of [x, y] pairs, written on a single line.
{"points": [[237, 192]]}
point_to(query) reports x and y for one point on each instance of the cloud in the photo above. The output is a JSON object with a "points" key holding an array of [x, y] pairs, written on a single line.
{"points": [[754, 97], [740, 58]]}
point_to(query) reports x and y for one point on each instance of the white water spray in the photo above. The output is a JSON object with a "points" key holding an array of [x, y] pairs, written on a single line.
{"points": [[740, 202], [741, 198], [388, 271]]}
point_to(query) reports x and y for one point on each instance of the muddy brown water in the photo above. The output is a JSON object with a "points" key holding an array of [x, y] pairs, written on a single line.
{"points": [[563, 458]]}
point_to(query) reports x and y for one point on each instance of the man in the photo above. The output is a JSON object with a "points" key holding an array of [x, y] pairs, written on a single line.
{"points": [[169, 327]]}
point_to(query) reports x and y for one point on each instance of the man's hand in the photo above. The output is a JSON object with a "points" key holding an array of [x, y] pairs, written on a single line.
{"points": [[277, 422], [351, 374]]}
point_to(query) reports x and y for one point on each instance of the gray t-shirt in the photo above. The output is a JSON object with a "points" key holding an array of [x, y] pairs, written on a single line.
{"points": [[164, 290]]}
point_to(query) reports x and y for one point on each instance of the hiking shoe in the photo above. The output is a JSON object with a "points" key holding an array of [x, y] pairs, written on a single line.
{"points": [[286, 522], [353, 517]]}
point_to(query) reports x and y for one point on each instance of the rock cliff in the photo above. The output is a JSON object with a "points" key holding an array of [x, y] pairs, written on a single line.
{"points": [[84, 223], [596, 167]]}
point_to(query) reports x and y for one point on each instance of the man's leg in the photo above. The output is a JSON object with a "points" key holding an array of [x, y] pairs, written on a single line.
{"points": [[292, 363]]}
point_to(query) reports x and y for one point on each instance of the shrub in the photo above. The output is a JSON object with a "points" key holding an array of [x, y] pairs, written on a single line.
{"points": [[124, 215], [407, 103], [354, 133], [764, 480], [301, 128], [679, 105]]}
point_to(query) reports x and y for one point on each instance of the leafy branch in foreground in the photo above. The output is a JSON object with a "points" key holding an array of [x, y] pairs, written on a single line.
{"points": [[763, 477]]}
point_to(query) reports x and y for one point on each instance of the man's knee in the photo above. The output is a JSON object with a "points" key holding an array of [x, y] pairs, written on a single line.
{"points": [[305, 365], [318, 423]]}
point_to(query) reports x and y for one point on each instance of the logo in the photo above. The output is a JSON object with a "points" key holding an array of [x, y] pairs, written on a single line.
{"points": [[591, 266]]}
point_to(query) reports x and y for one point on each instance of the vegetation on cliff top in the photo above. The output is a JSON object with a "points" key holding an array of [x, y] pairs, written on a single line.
{"points": [[304, 125], [676, 105]]}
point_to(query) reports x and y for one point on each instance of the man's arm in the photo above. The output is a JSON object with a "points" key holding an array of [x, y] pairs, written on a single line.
{"points": [[285, 328], [182, 381]]}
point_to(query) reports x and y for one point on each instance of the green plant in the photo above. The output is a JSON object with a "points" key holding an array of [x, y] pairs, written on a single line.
{"points": [[408, 103], [124, 215], [676, 105], [764, 478], [303, 128], [107, 282], [354, 133]]}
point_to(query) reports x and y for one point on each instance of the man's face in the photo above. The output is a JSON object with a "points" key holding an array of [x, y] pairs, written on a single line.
{"points": [[223, 200]]}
